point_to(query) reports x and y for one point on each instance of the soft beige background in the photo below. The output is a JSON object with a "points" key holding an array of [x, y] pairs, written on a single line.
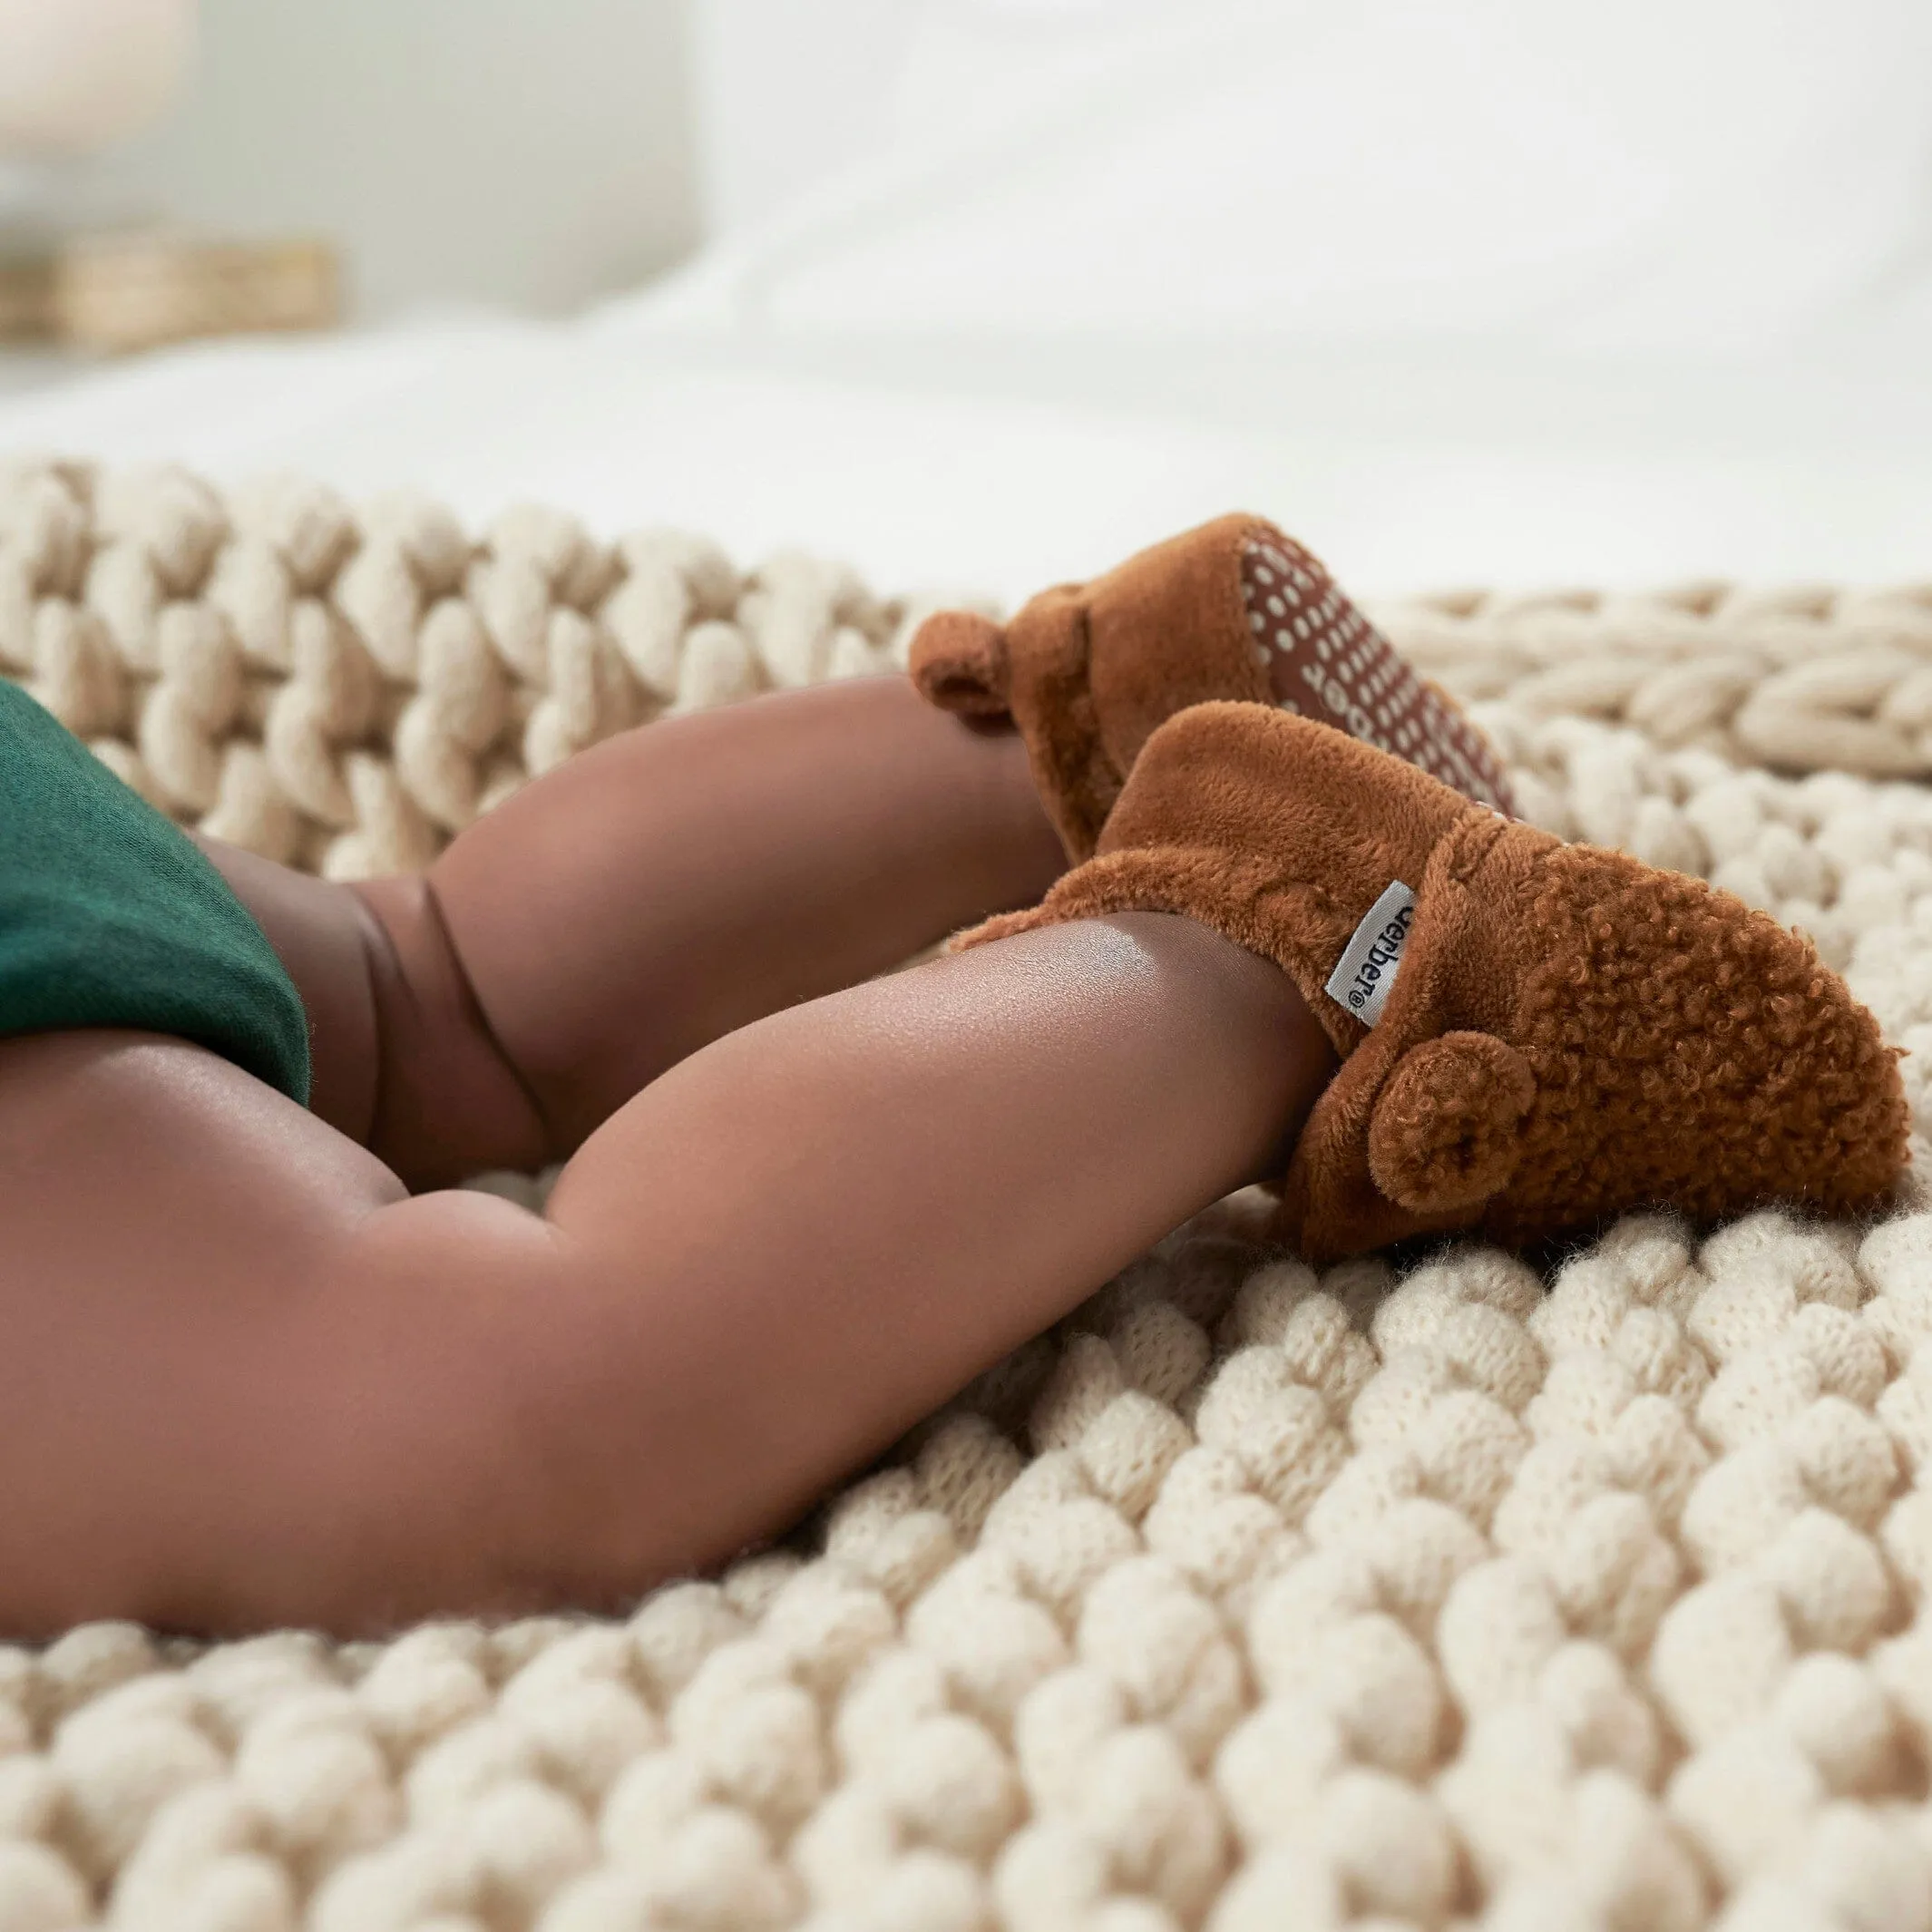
{"points": [[531, 152]]}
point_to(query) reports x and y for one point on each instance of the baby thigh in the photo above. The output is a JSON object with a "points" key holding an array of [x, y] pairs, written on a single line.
{"points": [[213, 1415]]}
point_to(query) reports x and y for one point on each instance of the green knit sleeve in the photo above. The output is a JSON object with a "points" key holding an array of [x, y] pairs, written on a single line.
{"points": [[111, 916]]}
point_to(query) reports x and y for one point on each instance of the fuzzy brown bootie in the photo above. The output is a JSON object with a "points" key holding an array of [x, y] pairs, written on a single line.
{"points": [[1233, 609], [1533, 1035]]}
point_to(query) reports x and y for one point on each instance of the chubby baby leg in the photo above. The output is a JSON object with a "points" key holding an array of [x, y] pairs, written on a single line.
{"points": [[251, 1381], [687, 878], [635, 903]]}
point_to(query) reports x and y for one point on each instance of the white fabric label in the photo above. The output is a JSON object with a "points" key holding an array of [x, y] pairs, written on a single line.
{"points": [[1371, 958]]}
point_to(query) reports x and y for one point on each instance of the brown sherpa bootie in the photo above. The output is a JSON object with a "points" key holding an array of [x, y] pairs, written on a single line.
{"points": [[1533, 1035], [1232, 610]]}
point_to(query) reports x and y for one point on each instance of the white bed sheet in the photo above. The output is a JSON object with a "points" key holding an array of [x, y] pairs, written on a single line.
{"points": [[1116, 271], [938, 465]]}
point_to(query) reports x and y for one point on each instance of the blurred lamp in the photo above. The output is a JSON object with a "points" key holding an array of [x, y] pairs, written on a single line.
{"points": [[77, 75]]}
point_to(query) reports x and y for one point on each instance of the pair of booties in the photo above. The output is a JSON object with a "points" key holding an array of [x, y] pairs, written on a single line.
{"points": [[1533, 1036]]}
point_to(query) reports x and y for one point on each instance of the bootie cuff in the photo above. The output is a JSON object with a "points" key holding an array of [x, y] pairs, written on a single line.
{"points": [[1289, 838]]}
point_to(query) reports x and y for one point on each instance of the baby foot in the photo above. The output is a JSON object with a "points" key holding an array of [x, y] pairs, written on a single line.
{"points": [[1235, 610], [1534, 1036], [1324, 660]]}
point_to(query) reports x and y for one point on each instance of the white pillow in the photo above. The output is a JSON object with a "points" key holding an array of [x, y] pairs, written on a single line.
{"points": [[1727, 175]]}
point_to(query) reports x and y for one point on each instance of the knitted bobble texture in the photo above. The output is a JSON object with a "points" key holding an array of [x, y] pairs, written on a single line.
{"points": [[345, 690], [1247, 1597]]}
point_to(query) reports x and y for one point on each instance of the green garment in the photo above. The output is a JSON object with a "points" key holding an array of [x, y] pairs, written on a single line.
{"points": [[111, 916]]}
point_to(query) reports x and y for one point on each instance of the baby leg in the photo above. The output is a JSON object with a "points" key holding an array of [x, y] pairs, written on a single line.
{"points": [[250, 1381], [641, 899], [686, 878]]}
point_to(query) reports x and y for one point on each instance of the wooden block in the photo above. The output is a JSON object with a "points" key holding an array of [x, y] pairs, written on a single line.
{"points": [[117, 293], [26, 295]]}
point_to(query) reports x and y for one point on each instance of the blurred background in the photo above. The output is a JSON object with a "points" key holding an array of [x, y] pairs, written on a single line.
{"points": [[989, 291], [531, 152], [536, 153]]}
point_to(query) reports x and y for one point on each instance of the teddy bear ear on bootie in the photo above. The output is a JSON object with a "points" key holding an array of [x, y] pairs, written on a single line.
{"points": [[959, 662], [1446, 1132]]}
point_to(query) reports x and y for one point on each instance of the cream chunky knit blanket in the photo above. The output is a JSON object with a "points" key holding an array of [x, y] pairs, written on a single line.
{"points": [[1246, 1599]]}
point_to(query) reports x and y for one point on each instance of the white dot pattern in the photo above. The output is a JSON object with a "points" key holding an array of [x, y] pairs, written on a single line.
{"points": [[1327, 662]]}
